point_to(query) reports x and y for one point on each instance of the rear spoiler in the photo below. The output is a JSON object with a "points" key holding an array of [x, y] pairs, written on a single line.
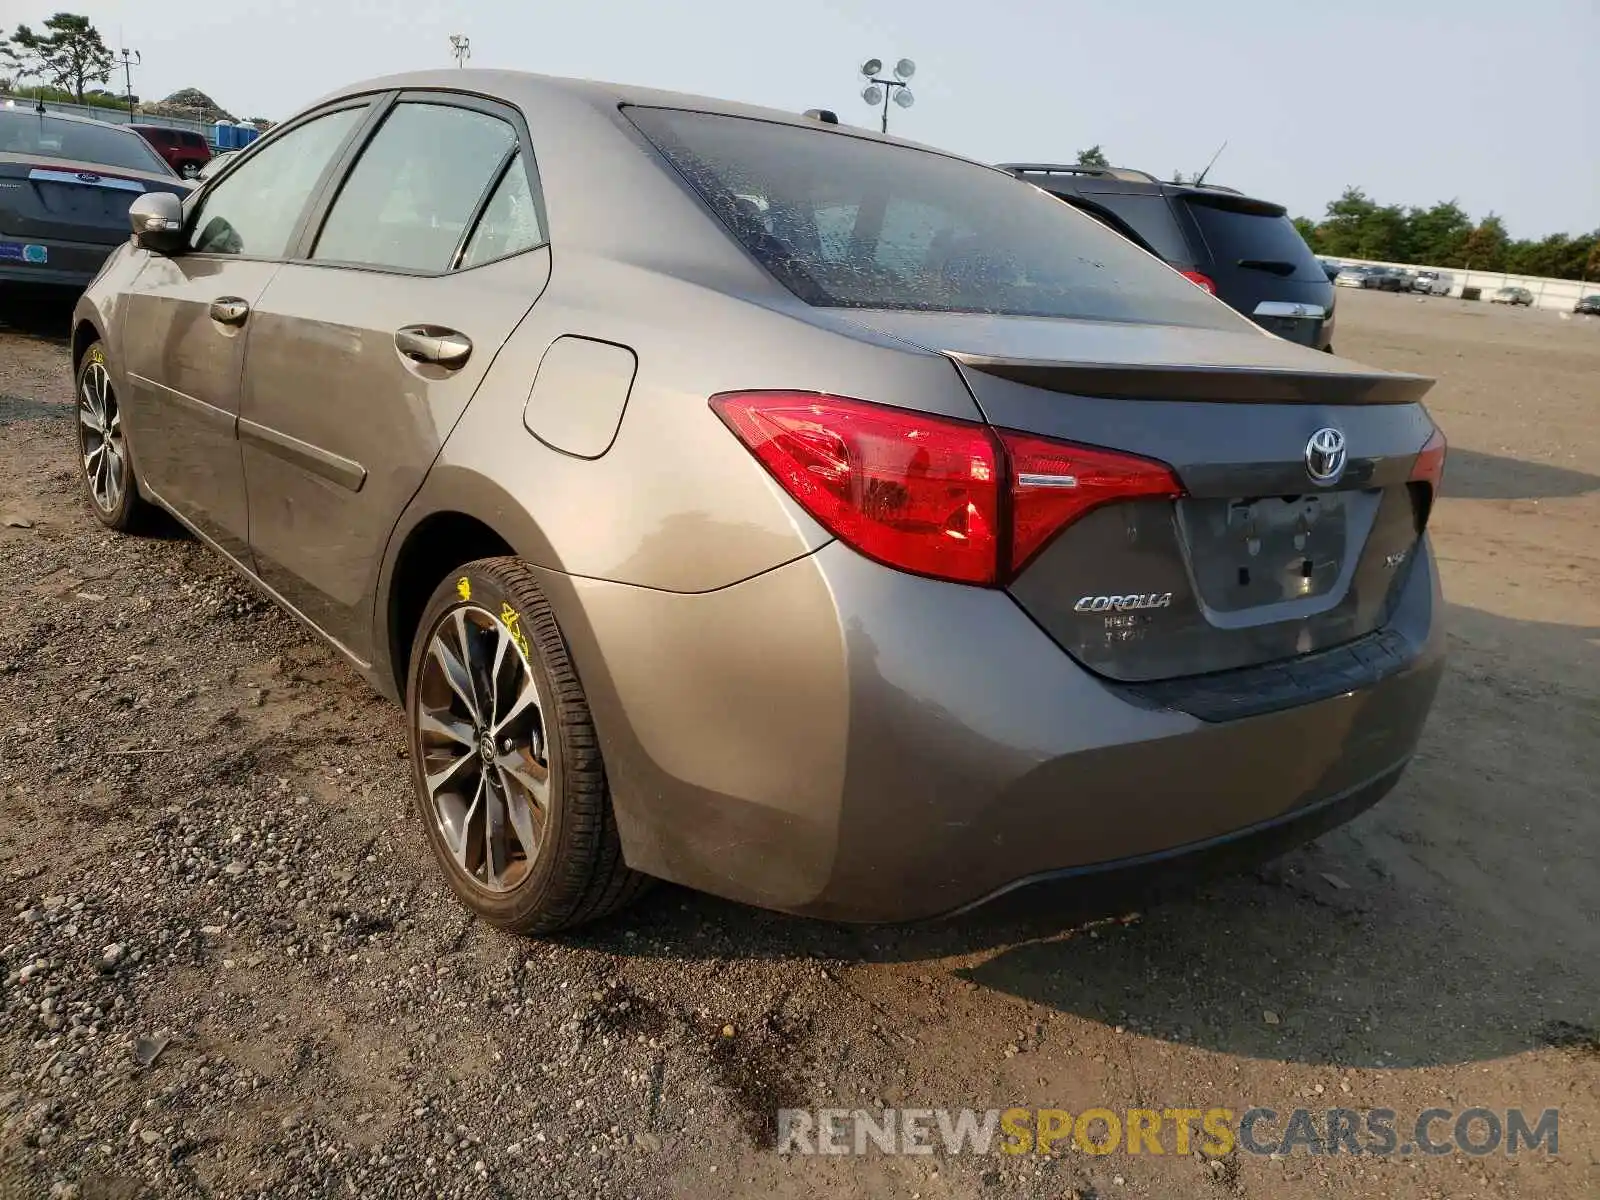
{"points": [[1227, 385], [1229, 200]]}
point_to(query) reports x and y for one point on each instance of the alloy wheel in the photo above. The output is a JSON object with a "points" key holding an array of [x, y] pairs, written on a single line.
{"points": [[100, 440], [480, 725]]}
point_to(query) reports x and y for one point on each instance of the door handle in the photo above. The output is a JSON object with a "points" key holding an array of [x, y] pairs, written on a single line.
{"points": [[229, 310], [433, 344]]}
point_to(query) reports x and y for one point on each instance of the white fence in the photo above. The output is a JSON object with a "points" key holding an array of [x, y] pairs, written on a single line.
{"points": [[1547, 293], [116, 116]]}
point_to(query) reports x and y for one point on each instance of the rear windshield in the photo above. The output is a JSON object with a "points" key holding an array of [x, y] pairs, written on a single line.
{"points": [[848, 222], [24, 132], [1235, 236]]}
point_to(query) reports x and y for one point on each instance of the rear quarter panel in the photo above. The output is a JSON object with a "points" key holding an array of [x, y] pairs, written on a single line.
{"points": [[677, 502]]}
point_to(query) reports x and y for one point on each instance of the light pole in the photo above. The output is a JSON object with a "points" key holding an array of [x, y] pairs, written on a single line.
{"points": [[461, 48], [130, 60], [881, 91]]}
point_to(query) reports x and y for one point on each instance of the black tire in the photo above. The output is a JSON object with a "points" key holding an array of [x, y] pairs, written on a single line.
{"points": [[577, 874], [123, 510]]}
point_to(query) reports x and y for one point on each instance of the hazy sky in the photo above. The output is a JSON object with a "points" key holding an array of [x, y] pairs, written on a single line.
{"points": [[1492, 102]]}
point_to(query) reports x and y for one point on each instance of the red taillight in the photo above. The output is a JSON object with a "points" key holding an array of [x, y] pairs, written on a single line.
{"points": [[911, 490], [1429, 467], [1204, 281], [923, 493], [1055, 483]]}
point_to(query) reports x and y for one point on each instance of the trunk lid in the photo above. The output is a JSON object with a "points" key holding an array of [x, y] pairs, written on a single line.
{"points": [[1259, 561], [59, 200]]}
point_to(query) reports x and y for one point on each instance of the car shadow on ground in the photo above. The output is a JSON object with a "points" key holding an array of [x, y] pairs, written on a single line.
{"points": [[1472, 475], [1427, 932], [38, 312]]}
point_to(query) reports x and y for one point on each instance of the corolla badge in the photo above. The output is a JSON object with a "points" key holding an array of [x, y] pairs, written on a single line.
{"points": [[1325, 457], [1123, 603]]}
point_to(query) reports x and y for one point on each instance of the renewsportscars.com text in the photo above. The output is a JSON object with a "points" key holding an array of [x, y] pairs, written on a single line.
{"points": [[1210, 1131]]}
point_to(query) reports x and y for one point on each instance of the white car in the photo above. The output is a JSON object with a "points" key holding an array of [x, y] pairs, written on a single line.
{"points": [[1512, 295], [1433, 283], [1351, 277]]}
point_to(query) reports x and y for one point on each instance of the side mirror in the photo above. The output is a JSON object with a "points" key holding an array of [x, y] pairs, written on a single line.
{"points": [[157, 220]]}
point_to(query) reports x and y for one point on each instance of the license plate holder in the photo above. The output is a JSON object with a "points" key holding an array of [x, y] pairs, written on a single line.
{"points": [[1252, 551]]}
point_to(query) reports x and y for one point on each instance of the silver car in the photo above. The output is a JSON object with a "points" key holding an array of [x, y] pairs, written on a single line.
{"points": [[819, 520]]}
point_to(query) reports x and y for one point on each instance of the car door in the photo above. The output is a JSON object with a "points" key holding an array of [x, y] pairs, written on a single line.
{"points": [[366, 350], [182, 341]]}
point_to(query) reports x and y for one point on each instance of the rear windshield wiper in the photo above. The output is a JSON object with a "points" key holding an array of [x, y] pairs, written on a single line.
{"points": [[1271, 265]]}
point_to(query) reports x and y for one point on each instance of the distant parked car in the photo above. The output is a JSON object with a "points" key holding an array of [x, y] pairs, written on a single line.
{"points": [[1589, 305], [65, 186], [219, 160], [1244, 251], [1351, 277], [1433, 283], [1512, 295], [1386, 279], [186, 152], [1331, 269]]}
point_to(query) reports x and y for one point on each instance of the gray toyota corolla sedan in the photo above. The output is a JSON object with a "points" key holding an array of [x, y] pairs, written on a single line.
{"points": [[804, 516]]}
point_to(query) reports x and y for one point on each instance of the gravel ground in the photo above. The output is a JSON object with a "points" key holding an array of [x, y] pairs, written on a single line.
{"points": [[227, 968]]}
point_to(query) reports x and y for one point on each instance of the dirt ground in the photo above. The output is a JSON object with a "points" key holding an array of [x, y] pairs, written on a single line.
{"points": [[227, 968]]}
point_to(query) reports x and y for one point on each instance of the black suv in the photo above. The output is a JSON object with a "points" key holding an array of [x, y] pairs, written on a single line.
{"points": [[1245, 251]]}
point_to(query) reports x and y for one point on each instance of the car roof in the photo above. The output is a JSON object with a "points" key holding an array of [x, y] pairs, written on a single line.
{"points": [[119, 126], [525, 88], [59, 116]]}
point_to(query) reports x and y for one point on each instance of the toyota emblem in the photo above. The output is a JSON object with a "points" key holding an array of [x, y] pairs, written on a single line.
{"points": [[1325, 457]]}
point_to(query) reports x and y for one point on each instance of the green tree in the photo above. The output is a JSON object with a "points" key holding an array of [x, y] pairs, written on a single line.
{"points": [[1435, 236], [1308, 230], [10, 66], [1340, 231], [1093, 157], [1485, 246], [69, 53]]}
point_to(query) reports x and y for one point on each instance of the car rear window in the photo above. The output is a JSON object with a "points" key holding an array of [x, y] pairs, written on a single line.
{"points": [[1235, 235], [44, 136], [845, 221]]}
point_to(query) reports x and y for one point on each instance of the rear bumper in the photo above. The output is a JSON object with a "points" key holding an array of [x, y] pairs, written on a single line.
{"points": [[840, 740], [1104, 886]]}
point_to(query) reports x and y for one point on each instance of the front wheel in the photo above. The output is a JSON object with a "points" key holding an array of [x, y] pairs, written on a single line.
{"points": [[104, 464], [509, 780]]}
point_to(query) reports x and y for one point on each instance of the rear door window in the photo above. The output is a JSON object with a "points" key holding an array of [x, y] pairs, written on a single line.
{"points": [[845, 221], [407, 202], [510, 223]]}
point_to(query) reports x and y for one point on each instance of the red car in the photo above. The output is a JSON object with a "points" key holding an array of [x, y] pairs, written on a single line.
{"points": [[185, 151]]}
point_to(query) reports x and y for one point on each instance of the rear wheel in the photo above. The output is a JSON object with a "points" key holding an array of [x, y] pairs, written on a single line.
{"points": [[509, 780], [103, 460]]}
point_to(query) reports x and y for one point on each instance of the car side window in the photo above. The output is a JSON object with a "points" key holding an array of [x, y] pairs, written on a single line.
{"points": [[510, 222], [255, 210], [419, 181]]}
